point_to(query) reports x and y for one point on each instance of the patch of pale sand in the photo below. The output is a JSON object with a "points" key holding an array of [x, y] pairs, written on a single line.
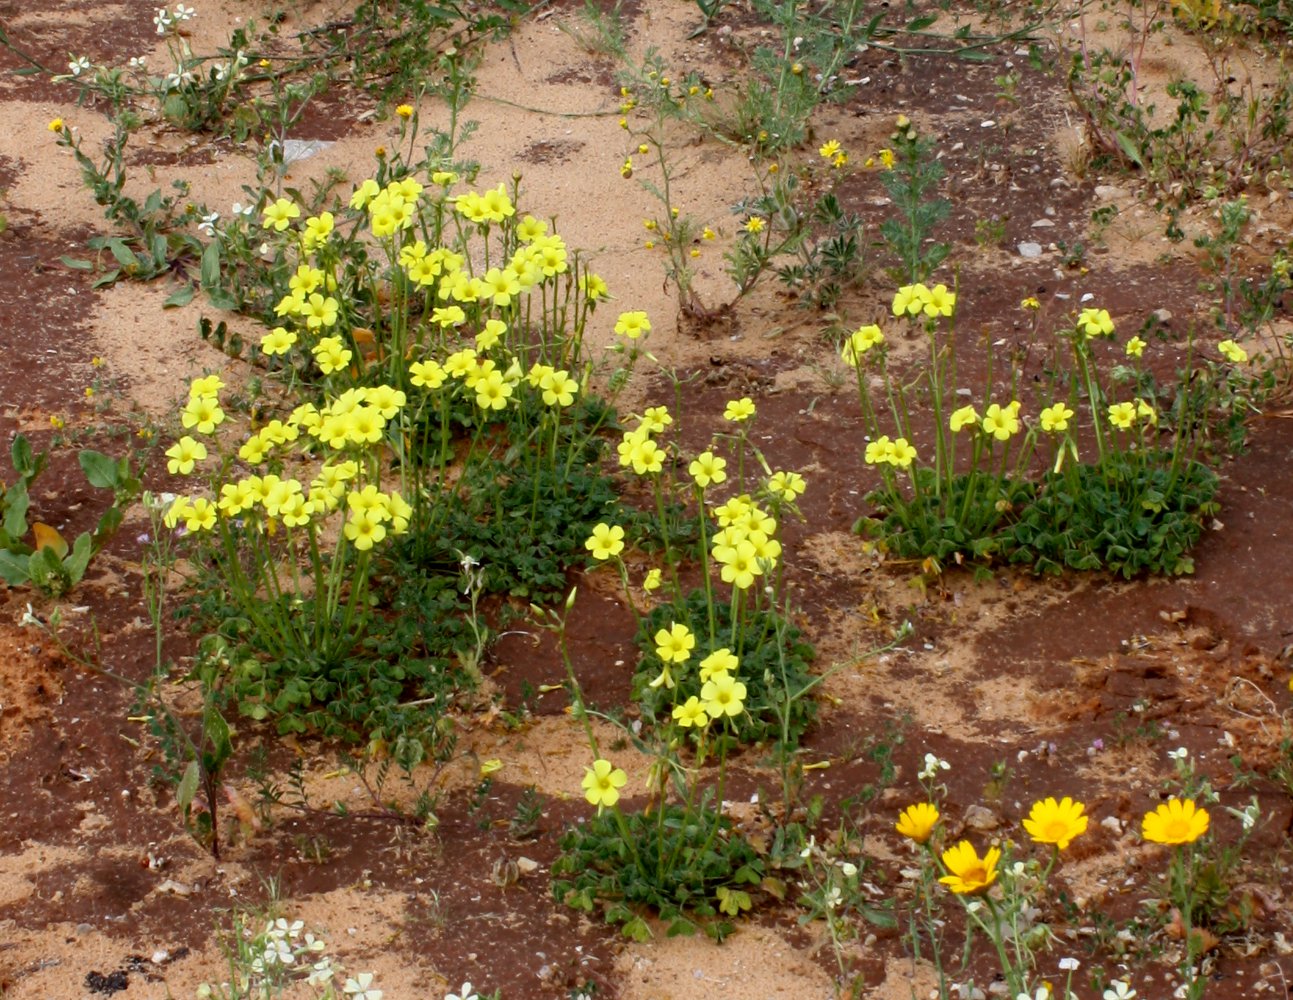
{"points": [[363, 930], [18, 870], [157, 350], [905, 979], [839, 553], [755, 963], [52, 961], [69, 15], [552, 753], [549, 752], [48, 188], [940, 688]]}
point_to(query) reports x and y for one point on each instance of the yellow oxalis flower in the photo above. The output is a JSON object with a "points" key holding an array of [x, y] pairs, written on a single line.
{"points": [[493, 391], [1135, 347], [277, 341], [939, 301], [859, 342], [721, 661], [964, 417], [207, 385], [426, 374], [969, 874], [1176, 821], [877, 451], [602, 783], [738, 410], [183, 454], [655, 419], [917, 822], [1051, 822], [203, 414], [279, 215], [632, 325], [723, 695], [200, 515], [902, 453], [707, 468], [910, 300], [754, 224], [364, 529], [1094, 323], [674, 644], [646, 457], [1056, 417], [786, 486], [1002, 422], [740, 564], [653, 579], [1122, 415], [607, 540], [691, 713], [1232, 352]]}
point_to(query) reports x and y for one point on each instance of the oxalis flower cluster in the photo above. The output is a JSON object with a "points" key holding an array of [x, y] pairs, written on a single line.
{"points": [[442, 293], [968, 489], [348, 429]]}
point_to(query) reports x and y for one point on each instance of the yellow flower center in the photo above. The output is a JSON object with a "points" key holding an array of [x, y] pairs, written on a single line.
{"points": [[1056, 830]]}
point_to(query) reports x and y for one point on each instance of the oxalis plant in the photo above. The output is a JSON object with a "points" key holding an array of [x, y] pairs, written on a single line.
{"points": [[434, 340], [1121, 488], [722, 668], [1136, 505]]}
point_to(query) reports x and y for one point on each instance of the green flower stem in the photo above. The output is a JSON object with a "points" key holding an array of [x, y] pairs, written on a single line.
{"points": [[704, 564]]}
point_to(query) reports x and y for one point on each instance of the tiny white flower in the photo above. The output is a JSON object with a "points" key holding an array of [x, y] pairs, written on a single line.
{"points": [[360, 988], [246, 211], [932, 766], [28, 618], [313, 943], [280, 952], [1069, 964], [79, 65], [163, 20], [138, 62], [832, 898], [320, 972], [1119, 989], [207, 225], [848, 868], [808, 848], [1180, 753], [465, 992], [183, 13]]}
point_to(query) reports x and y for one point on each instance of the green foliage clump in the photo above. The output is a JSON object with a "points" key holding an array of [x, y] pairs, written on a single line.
{"points": [[614, 859], [1124, 517]]}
